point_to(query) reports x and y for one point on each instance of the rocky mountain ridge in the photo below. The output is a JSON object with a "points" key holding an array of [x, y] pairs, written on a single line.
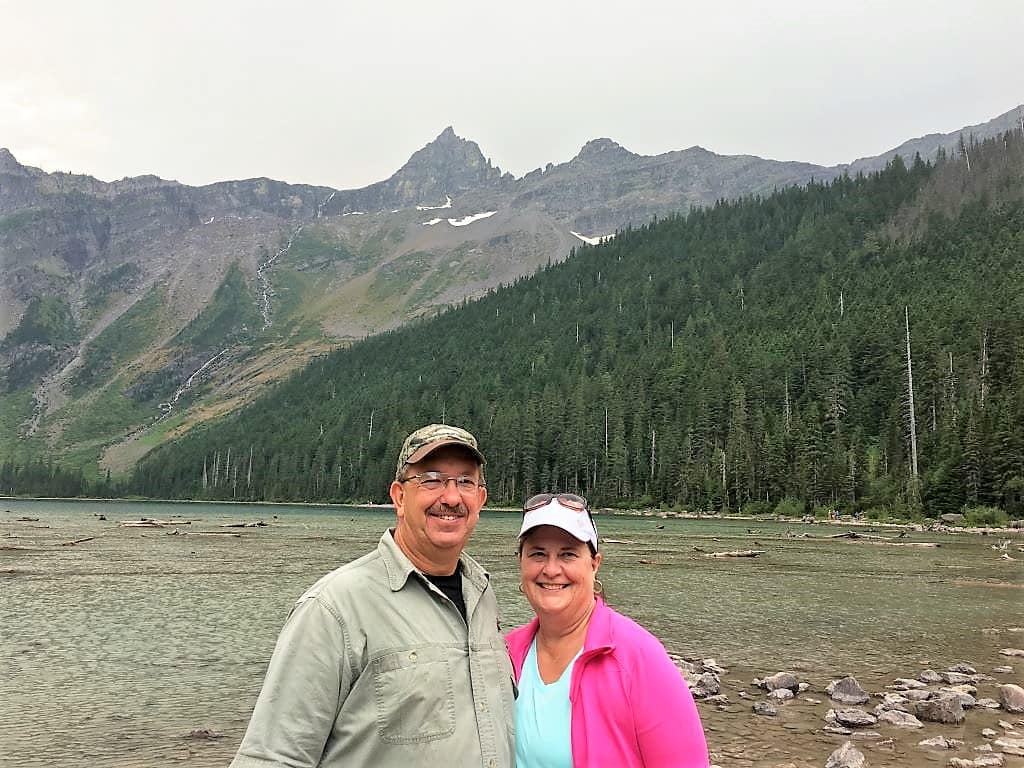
{"points": [[119, 297]]}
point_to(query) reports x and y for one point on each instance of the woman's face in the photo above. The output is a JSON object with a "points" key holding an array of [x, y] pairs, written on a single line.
{"points": [[557, 572]]}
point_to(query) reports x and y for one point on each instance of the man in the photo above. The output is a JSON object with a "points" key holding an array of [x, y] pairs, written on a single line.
{"points": [[396, 659]]}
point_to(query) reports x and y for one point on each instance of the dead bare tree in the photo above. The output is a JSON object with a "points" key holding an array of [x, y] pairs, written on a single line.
{"points": [[912, 423], [984, 366]]}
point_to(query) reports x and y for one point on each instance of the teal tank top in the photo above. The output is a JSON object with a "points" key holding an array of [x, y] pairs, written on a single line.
{"points": [[543, 717]]}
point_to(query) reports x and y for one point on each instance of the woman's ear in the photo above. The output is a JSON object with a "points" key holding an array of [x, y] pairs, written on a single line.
{"points": [[597, 562]]}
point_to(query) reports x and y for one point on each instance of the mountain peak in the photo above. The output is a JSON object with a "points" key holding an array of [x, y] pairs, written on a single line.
{"points": [[448, 165], [448, 135], [8, 164], [604, 151]]}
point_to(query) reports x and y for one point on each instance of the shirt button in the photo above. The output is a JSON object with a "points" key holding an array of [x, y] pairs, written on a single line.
{"points": [[412, 656]]}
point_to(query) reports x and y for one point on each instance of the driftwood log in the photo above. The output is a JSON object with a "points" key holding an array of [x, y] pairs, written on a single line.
{"points": [[737, 553], [886, 540], [76, 541]]}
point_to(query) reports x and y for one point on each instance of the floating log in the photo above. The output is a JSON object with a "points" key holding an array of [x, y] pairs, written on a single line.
{"points": [[256, 524], [855, 535], [924, 544], [149, 522], [737, 553], [76, 541]]}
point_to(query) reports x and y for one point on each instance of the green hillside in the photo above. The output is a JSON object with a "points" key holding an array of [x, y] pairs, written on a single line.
{"points": [[730, 358]]}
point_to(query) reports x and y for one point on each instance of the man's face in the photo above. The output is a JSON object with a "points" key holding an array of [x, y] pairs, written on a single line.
{"points": [[434, 526]]}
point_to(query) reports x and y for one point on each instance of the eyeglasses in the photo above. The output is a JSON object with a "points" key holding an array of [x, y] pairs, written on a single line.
{"points": [[437, 481], [567, 500]]}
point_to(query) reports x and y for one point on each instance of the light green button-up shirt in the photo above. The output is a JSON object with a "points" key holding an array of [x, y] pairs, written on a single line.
{"points": [[376, 667]]}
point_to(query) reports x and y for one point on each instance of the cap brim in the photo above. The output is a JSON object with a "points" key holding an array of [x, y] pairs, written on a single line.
{"points": [[425, 450]]}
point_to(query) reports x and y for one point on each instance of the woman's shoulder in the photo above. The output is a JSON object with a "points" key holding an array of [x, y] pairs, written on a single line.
{"points": [[630, 634]]}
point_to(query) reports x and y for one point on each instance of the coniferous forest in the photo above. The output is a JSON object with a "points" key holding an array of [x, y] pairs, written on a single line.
{"points": [[857, 345]]}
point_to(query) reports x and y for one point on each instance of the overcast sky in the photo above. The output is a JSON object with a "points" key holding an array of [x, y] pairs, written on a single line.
{"points": [[340, 93]]}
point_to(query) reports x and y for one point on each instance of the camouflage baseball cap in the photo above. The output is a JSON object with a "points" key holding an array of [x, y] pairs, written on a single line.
{"points": [[425, 440]]}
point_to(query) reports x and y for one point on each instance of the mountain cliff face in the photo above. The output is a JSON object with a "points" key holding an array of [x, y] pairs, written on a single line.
{"points": [[133, 309]]}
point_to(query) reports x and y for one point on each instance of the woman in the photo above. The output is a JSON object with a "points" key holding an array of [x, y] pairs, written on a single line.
{"points": [[596, 690]]}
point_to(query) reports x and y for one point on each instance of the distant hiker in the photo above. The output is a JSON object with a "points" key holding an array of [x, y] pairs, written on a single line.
{"points": [[630, 706], [396, 659]]}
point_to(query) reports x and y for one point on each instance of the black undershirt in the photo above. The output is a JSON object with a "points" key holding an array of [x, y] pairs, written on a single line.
{"points": [[451, 586]]}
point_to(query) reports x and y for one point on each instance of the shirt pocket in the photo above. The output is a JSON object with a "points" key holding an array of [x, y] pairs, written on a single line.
{"points": [[414, 694]]}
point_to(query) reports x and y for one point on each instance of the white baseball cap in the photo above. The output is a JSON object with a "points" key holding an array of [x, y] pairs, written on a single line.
{"points": [[571, 519]]}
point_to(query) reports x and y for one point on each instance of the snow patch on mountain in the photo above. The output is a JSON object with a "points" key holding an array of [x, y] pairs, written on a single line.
{"points": [[470, 219], [593, 240]]}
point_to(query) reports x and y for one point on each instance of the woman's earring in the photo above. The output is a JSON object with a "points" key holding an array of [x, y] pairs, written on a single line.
{"points": [[521, 588], [598, 586]]}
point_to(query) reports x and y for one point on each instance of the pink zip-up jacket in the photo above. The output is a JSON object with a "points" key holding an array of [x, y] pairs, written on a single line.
{"points": [[631, 706]]}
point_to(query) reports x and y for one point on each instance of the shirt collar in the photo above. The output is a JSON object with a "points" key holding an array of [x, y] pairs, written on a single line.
{"points": [[399, 567]]}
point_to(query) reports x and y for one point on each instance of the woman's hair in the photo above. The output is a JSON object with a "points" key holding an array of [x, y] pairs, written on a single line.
{"points": [[519, 546]]}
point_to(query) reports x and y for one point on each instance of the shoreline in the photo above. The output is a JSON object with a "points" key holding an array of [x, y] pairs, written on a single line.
{"points": [[932, 526]]}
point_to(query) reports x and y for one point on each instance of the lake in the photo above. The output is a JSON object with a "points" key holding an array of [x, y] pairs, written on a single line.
{"points": [[115, 649]]}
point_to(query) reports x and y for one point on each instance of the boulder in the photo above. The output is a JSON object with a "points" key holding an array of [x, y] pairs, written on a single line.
{"points": [[919, 695], [1009, 746], [979, 762], [847, 691], [853, 717], [711, 665], [847, 756], [900, 719], [764, 708], [940, 742], [780, 680], [966, 669], [704, 685], [684, 666], [968, 688], [895, 701], [1011, 697], [941, 709], [966, 700], [955, 678], [929, 676], [907, 684], [987, 703], [781, 694], [1012, 652]]}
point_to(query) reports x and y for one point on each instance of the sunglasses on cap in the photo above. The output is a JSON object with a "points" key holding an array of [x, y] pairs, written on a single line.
{"points": [[568, 500], [579, 523]]}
